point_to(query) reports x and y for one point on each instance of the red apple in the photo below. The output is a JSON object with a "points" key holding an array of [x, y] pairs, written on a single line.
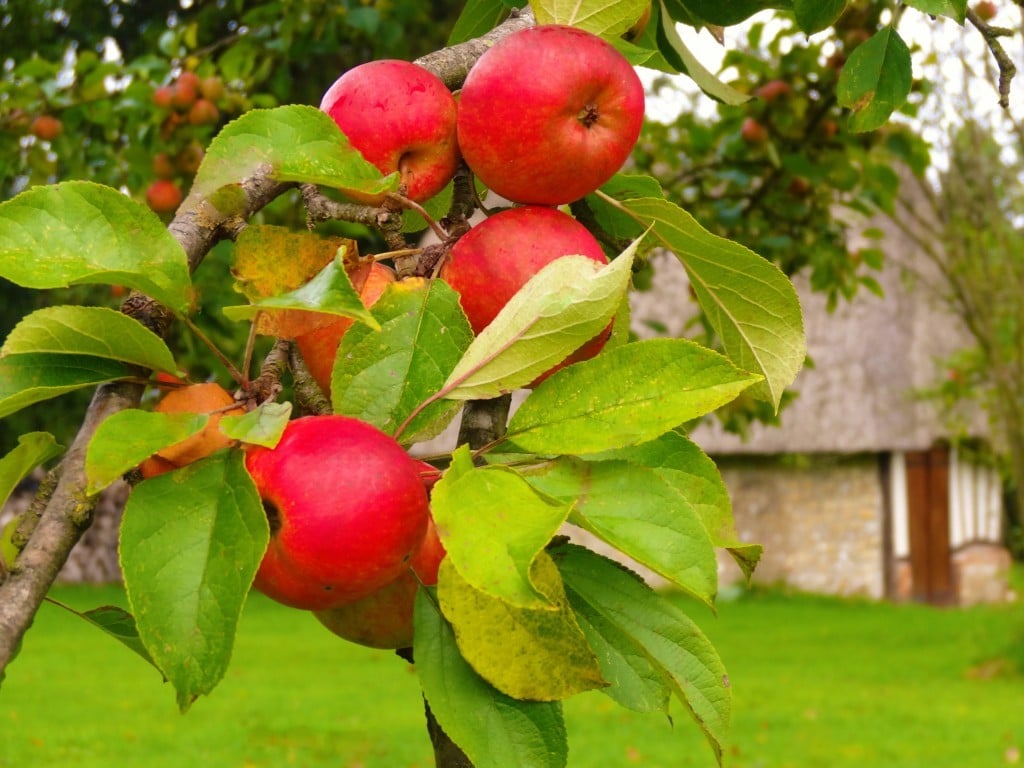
{"points": [[347, 511], [773, 89], [203, 112], [549, 114], [986, 10], [496, 258], [186, 91], [46, 127], [384, 619], [163, 97], [163, 196], [211, 88], [163, 166], [320, 346], [752, 132], [401, 118]]}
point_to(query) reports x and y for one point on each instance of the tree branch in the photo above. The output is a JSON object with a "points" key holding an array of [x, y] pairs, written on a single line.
{"points": [[453, 64]]}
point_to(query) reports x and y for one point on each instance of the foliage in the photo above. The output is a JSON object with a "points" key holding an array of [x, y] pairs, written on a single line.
{"points": [[978, 270]]}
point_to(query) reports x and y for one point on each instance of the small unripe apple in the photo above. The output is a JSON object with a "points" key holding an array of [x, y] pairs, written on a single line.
{"points": [[799, 187], [186, 91], [320, 346], [163, 166], [497, 257], [549, 114], [203, 112], [401, 118], [205, 397], [986, 10], [163, 97], [347, 511], [773, 89], [211, 88], [46, 127], [163, 196], [753, 132]]}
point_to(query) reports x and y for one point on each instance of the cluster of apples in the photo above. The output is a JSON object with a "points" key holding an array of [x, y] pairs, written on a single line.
{"points": [[188, 101], [545, 117]]}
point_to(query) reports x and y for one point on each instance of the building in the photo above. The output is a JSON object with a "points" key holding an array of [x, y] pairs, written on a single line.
{"points": [[862, 489]]}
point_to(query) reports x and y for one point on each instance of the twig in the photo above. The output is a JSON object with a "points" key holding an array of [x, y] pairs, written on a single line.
{"points": [[1007, 69]]}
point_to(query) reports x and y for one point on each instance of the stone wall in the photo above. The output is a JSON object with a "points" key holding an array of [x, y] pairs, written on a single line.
{"points": [[820, 520], [94, 557]]}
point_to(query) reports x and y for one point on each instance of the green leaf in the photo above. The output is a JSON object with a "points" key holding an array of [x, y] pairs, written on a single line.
{"points": [[955, 9], [115, 622], [128, 437], [477, 18], [639, 514], [633, 680], [876, 80], [691, 66], [749, 302], [94, 331], [296, 143], [560, 308], [191, 541], [816, 15], [382, 377], [602, 17], [77, 233], [625, 396], [494, 547], [27, 379], [682, 464], [261, 426], [525, 653], [33, 450], [728, 13], [670, 641], [329, 292], [494, 730]]}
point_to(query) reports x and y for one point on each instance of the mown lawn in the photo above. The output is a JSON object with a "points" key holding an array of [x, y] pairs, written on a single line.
{"points": [[816, 682]]}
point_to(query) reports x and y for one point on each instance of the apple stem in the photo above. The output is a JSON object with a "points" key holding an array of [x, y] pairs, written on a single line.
{"points": [[250, 346], [412, 205], [395, 254], [235, 373]]}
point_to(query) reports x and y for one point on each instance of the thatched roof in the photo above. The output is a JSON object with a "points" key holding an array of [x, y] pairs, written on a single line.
{"points": [[869, 356]]}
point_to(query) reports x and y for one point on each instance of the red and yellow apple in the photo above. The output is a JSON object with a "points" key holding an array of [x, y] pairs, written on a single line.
{"points": [[384, 619], [347, 511], [549, 114], [401, 118], [319, 346]]}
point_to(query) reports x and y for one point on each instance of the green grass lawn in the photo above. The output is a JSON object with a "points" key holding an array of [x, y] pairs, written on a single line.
{"points": [[816, 682]]}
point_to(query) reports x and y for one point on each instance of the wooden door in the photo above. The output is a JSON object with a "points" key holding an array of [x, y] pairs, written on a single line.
{"points": [[931, 566]]}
